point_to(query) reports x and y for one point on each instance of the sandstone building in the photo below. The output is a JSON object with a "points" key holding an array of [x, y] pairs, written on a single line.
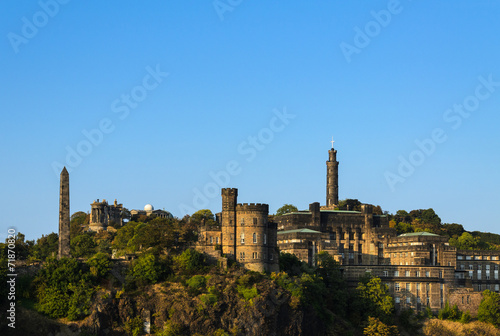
{"points": [[103, 215], [421, 269], [244, 234]]}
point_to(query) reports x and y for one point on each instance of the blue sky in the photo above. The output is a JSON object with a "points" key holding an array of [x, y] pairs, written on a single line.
{"points": [[179, 98]]}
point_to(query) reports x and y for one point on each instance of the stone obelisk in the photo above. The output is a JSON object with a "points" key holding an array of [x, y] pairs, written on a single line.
{"points": [[64, 215]]}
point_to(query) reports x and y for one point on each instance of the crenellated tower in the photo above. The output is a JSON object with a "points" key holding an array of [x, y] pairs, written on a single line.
{"points": [[332, 178], [229, 200]]}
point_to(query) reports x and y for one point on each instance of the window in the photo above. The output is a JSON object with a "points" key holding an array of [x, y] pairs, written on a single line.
{"points": [[254, 255], [487, 267], [479, 267], [440, 274], [243, 222], [497, 288], [471, 274], [397, 300], [418, 300], [242, 255], [407, 273], [479, 275], [418, 286], [396, 273], [255, 221], [211, 240], [408, 299], [217, 240], [462, 267], [386, 273], [495, 274], [408, 287], [471, 267], [418, 273], [271, 256], [265, 238], [243, 238], [427, 274], [254, 238], [479, 288], [396, 287]]}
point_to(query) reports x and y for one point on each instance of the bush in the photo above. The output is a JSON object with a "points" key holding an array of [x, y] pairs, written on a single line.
{"points": [[209, 299], [466, 318], [247, 293], [378, 328], [489, 309], [145, 270], [99, 264], [197, 282], [135, 326], [191, 261]]}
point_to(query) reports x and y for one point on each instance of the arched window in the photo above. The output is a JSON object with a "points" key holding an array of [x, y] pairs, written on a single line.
{"points": [[243, 238], [254, 238]]}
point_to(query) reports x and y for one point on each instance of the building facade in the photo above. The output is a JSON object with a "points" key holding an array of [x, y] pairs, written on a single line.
{"points": [[103, 215], [243, 234], [420, 269]]}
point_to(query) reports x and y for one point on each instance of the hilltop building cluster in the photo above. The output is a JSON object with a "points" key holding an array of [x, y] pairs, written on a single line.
{"points": [[420, 269]]}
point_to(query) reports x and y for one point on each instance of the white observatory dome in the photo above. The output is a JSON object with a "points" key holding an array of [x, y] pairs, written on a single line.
{"points": [[148, 207]]}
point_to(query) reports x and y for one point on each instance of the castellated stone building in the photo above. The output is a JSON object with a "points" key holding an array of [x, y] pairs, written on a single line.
{"points": [[244, 234], [420, 269], [103, 215]]}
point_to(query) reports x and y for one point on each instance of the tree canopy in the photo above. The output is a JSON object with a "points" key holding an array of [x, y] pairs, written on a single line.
{"points": [[286, 208]]}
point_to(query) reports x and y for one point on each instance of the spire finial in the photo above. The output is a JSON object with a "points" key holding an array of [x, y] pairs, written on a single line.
{"points": [[332, 142]]}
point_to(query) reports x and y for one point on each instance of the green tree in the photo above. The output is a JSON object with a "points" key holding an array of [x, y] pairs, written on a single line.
{"points": [[290, 264], [378, 328], [77, 222], [286, 208], [374, 298], [99, 265], [204, 216], [191, 261], [145, 270], [350, 204], [45, 247], [489, 309], [449, 313], [83, 246]]}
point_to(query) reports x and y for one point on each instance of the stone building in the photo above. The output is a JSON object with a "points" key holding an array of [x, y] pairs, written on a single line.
{"points": [[243, 234], [103, 215], [420, 269], [150, 211]]}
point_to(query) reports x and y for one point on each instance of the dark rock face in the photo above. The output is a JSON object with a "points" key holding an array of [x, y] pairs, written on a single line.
{"points": [[270, 313]]}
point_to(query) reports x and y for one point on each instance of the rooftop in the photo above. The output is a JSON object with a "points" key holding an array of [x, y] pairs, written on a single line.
{"points": [[414, 234], [299, 231]]}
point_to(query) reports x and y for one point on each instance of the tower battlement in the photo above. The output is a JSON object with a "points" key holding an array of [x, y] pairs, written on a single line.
{"points": [[254, 207]]}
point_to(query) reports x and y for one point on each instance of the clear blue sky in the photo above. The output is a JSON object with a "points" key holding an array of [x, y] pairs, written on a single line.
{"points": [[377, 76]]}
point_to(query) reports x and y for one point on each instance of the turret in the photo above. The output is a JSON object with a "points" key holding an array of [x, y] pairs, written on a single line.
{"points": [[229, 199]]}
